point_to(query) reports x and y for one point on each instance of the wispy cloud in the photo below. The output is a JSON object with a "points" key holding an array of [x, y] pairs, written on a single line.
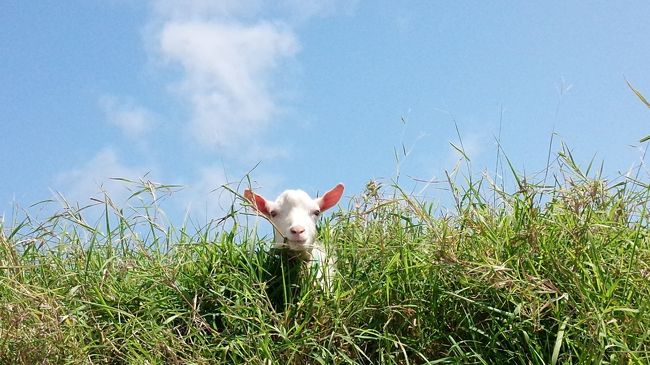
{"points": [[204, 195], [227, 67], [232, 52], [295, 11], [201, 9], [225, 58], [94, 177], [134, 121]]}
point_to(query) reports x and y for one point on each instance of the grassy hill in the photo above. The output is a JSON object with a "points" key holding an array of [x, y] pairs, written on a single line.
{"points": [[545, 274]]}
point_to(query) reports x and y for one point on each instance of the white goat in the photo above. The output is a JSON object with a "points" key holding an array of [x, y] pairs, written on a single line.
{"points": [[293, 216]]}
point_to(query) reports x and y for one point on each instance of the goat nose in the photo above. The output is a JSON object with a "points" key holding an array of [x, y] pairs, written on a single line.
{"points": [[297, 229]]}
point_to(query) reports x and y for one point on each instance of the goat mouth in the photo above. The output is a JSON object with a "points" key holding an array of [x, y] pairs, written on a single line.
{"points": [[295, 242], [301, 242]]}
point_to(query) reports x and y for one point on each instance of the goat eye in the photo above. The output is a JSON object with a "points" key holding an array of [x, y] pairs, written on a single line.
{"points": [[316, 212], [273, 213]]}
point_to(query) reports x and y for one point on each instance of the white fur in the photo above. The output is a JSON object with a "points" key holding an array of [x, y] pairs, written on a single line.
{"points": [[293, 216]]}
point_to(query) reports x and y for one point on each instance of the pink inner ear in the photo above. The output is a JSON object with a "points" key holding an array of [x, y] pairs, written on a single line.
{"points": [[258, 202], [331, 197]]}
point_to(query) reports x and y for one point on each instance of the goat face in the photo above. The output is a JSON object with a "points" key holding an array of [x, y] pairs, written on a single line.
{"points": [[294, 214]]}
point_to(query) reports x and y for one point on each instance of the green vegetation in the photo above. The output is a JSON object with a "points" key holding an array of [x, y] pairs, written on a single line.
{"points": [[555, 273]]}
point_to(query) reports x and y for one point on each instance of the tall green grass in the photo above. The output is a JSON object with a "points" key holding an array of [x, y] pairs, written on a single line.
{"points": [[549, 273]]}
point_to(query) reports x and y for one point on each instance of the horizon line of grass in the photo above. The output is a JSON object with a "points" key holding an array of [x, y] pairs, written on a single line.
{"points": [[546, 274]]}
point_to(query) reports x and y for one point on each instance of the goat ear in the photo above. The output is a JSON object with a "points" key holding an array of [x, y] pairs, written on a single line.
{"points": [[331, 197], [258, 202]]}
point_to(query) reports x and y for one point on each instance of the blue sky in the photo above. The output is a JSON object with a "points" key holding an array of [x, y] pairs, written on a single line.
{"points": [[198, 93]]}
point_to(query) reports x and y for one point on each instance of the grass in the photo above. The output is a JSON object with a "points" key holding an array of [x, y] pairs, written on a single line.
{"points": [[553, 273]]}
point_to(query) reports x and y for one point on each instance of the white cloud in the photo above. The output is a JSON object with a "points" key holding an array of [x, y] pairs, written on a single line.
{"points": [[134, 121], [204, 195], [231, 54], [293, 10], [202, 9], [201, 196], [227, 68], [94, 177]]}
